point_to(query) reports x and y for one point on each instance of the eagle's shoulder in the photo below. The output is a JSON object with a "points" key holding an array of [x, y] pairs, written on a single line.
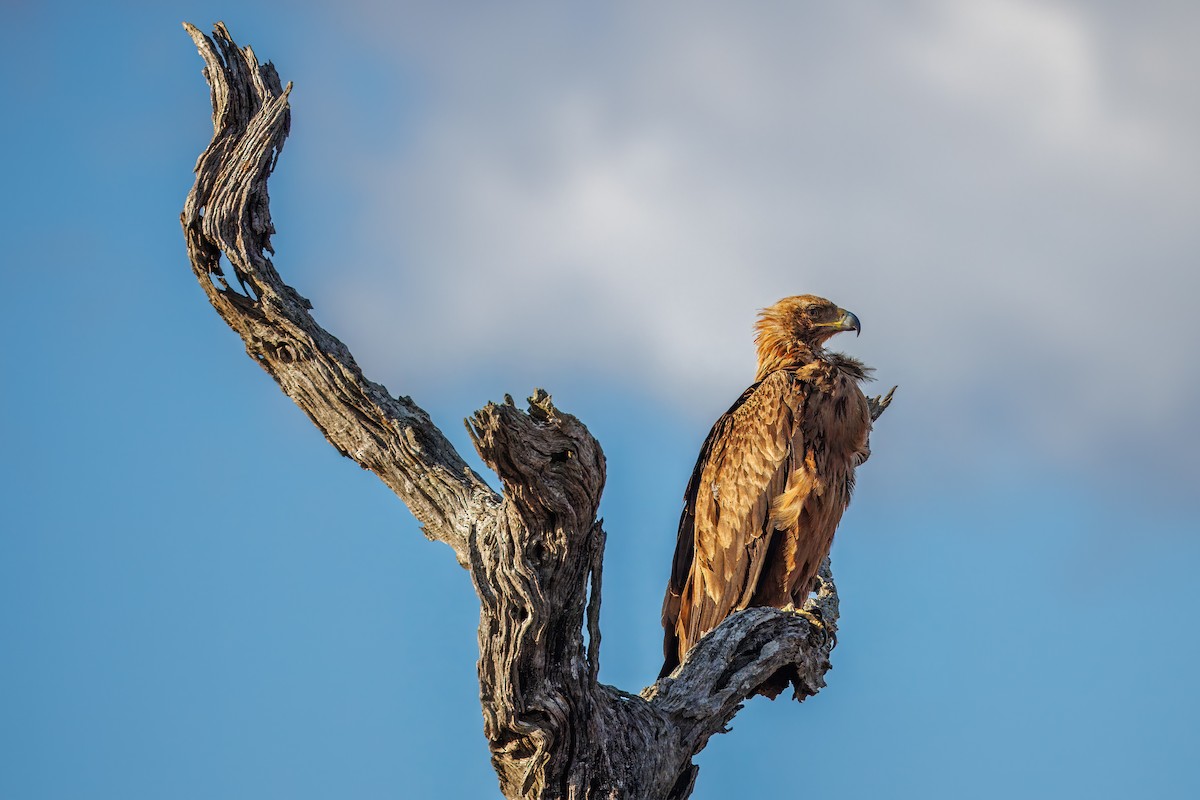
{"points": [[769, 391], [763, 421]]}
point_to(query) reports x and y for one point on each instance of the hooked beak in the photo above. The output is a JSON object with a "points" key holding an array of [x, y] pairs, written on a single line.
{"points": [[848, 322]]}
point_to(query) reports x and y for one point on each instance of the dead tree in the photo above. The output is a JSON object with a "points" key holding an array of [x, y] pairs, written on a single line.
{"points": [[534, 552]]}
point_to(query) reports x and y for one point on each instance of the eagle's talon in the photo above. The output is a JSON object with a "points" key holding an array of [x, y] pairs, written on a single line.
{"points": [[826, 638]]}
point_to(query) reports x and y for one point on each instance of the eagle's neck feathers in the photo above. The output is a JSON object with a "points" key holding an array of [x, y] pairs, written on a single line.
{"points": [[774, 355], [848, 366], [776, 352]]}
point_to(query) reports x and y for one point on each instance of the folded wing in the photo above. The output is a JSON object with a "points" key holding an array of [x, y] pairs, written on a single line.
{"points": [[740, 534]]}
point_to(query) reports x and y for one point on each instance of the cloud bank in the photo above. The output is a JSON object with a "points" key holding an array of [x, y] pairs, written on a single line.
{"points": [[1004, 191]]}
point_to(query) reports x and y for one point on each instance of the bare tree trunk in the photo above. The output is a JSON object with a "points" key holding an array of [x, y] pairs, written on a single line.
{"points": [[534, 553]]}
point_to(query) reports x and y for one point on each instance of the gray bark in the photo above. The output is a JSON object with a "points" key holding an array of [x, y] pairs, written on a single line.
{"points": [[534, 552]]}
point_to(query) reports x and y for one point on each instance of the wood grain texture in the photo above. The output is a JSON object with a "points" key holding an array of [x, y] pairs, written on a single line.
{"points": [[535, 552]]}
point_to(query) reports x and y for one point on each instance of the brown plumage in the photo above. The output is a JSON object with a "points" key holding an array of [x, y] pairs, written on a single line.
{"points": [[772, 479]]}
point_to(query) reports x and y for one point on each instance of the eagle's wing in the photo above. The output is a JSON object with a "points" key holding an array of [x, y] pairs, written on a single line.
{"points": [[728, 522]]}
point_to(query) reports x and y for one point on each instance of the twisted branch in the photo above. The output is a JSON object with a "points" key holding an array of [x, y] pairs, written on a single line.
{"points": [[228, 212]]}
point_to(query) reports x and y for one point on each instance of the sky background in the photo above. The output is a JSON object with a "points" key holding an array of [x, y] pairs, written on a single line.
{"points": [[199, 598]]}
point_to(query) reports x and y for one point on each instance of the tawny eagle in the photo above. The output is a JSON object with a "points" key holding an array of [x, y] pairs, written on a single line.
{"points": [[772, 479]]}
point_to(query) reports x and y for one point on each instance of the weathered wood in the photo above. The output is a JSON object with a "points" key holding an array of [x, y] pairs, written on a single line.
{"points": [[535, 553], [228, 212]]}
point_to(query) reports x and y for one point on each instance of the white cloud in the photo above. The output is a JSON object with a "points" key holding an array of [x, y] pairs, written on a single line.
{"points": [[1031, 65], [618, 189]]}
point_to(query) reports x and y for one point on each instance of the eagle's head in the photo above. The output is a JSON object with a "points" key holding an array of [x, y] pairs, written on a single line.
{"points": [[798, 327], [807, 319]]}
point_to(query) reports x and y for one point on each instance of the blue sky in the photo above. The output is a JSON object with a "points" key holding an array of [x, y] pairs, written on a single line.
{"points": [[199, 598]]}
